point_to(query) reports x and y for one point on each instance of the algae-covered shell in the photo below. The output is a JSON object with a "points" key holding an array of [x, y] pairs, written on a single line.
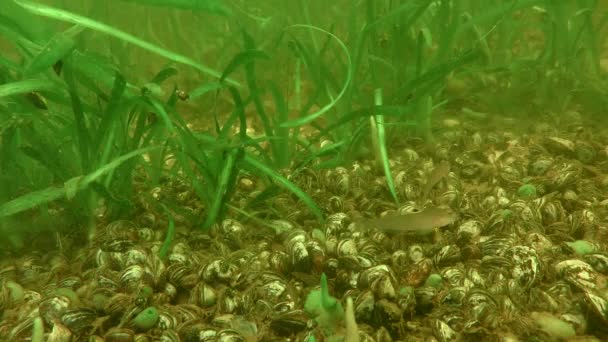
{"points": [[540, 166], [585, 152], [553, 327], [146, 319], [582, 247]]}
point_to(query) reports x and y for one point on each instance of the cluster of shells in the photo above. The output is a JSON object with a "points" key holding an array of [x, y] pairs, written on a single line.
{"points": [[504, 271]]}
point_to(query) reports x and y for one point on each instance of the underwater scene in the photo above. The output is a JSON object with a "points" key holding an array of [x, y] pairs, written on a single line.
{"points": [[304, 170]]}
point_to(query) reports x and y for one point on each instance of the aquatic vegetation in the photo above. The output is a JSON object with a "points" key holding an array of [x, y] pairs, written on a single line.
{"points": [[146, 319], [325, 309], [526, 191], [188, 170]]}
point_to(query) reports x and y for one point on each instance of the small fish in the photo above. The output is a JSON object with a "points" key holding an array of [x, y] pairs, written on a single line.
{"points": [[421, 223], [439, 172]]}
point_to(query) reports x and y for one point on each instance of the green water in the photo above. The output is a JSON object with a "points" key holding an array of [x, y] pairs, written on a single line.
{"points": [[198, 111]]}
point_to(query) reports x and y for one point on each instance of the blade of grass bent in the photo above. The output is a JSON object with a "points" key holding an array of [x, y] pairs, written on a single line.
{"points": [[254, 163], [334, 101], [25, 86], [382, 150]]}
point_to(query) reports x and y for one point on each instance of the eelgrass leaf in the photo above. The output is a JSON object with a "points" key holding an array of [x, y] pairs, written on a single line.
{"points": [[164, 74], [164, 249], [226, 183], [25, 86], [255, 164], [53, 51], [204, 89], [66, 16], [25, 24], [494, 13], [159, 110], [255, 92], [81, 130], [107, 130], [304, 56], [237, 114], [210, 6], [311, 156], [433, 77], [94, 70], [242, 58], [381, 145], [263, 196], [283, 145]]}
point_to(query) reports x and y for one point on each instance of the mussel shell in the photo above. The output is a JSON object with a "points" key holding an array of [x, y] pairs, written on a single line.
{"points": [[78, 320], [119, 335], [203, 295], [52, 308], [289, 323]]}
